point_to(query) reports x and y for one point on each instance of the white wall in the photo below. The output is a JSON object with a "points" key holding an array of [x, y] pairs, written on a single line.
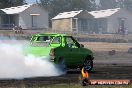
{"points": [[25, 19]]}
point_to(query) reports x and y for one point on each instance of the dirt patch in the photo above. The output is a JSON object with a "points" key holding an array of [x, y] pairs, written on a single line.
{"points": [[103, 46]]}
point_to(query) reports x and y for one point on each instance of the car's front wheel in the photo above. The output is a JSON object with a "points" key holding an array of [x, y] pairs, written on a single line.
{"points": [[88, 64]]}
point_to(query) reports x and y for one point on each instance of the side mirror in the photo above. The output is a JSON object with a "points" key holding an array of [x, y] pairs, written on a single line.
{"points": [[81, 45]]}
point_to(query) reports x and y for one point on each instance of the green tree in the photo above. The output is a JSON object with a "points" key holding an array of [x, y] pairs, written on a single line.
{"points": [[11, 3]]}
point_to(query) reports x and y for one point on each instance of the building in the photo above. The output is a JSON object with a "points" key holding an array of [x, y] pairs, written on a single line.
{"points": [[103, 21], [111, 20], [73, 21], [30, 16]]}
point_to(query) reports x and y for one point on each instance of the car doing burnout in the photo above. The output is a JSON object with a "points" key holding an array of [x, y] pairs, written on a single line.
{"points": [[61, 49]]}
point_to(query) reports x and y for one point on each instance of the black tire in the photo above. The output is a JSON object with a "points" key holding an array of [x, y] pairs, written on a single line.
{"points": [[88, 64], [61, 64]]}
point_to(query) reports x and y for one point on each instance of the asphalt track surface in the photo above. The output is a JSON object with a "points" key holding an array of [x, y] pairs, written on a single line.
{"points": [[101, 71]]}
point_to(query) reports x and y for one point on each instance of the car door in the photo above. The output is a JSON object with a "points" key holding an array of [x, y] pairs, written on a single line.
{"points": [[74, 51]]}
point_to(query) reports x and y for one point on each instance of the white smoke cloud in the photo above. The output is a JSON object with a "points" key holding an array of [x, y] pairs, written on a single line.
{"points": [[14, 65]]}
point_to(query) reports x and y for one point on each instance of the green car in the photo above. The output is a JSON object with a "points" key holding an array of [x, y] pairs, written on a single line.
{"points": [[61, 49]]}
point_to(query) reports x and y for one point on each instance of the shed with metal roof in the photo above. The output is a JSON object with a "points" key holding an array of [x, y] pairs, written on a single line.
{"points": [[70, 21], [30, 16]]}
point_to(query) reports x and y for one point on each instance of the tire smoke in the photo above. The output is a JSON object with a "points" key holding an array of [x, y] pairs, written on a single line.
{"points": [[14, 65]]}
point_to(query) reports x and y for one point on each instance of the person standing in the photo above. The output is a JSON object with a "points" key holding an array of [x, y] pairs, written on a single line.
{"points": [[20, 30]]}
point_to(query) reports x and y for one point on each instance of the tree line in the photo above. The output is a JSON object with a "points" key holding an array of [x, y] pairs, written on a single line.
{"points": [[11, 3], [108, 4], [57, 6]]}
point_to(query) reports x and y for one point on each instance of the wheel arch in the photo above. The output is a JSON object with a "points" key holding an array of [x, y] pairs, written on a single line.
{"points": [[90, 57]]}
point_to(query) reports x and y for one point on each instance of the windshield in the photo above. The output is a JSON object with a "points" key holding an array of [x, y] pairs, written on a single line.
{"points": [[41, 40]]}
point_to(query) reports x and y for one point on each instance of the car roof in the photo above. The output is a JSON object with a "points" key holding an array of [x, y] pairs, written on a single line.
{"points": [[50, 34]]}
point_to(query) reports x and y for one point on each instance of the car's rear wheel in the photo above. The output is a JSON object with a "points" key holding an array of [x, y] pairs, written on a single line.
{"points": [[88, 64], [61, 64]]}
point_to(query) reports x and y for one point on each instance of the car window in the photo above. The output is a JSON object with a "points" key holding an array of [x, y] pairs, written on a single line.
{"points": [[70, 42], [33, 38], [56, 40], [44, 38]]}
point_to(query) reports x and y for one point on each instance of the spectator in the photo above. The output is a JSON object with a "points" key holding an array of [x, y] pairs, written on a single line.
{"points": [[20, 30], [15, 29]]}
